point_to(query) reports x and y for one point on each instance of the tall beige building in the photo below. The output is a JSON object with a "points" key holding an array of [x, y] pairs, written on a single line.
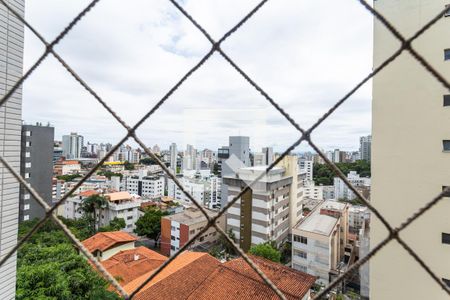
{"points": [[411, 152]]}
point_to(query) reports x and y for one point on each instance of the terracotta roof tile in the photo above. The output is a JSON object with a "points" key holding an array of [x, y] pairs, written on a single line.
{"points": [[206, 278], [128, 265], [104, 240], [184, 259], [88, 193]]}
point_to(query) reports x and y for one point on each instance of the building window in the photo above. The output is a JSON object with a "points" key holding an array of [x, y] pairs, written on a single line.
{"points": [[445, 238], [447, 194], [447, 54], [301, 254], [300, 239], [26, 217], [172, 247], [27, 143], [192, 232], [28, 165], [27, 154], [28, 133], [446, 145], [129, 217], [172, 238], [26, 207], [446, 281], [447, 13], [26, 196], [27, 175], [173, 228], [446, 100]]}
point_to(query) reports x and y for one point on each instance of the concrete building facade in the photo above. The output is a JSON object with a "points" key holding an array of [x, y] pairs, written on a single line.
{"points": [[11, 56], [365, 147], [178, 229], [72, 145], [410, 119], [36, 167]]}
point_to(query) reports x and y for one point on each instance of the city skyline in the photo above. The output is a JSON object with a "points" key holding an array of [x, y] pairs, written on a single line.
{"points": [[216, 101]]}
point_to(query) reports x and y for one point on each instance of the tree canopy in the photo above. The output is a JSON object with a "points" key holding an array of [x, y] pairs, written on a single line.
{"points": [[49, 267], [323, 174], [115, 225], [68, 177], [90, 206], [149, 224], [266, 250]]}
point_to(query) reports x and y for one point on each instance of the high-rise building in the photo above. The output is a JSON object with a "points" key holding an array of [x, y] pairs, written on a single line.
{"points": [[11, 56], [240, 147], [365, 146], [410, 121], [173, 157], [268, 155], [36, 167], [265, 212], [72, 145]]}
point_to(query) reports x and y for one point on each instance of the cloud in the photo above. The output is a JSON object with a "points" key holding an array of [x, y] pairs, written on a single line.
{"points": [[305, 54]]}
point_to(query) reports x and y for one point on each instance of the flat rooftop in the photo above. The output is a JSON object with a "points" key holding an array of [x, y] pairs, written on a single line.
{"points": [[317, 223], [190, 216]]}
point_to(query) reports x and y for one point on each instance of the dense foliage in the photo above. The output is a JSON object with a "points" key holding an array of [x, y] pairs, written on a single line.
{"points": [[110, 174], [266, 250], [115, 225], [49, 267], [323, 174], [223, 249], [149, 160], [128, 166], [68, 177], [149, 224], [90, 207]]}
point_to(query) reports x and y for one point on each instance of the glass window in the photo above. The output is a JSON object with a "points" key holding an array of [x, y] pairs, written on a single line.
{"points": [[26, 207], [446, 100], [446, 145], [26, 217], [447, 13], [447, 54], [445, 238]]}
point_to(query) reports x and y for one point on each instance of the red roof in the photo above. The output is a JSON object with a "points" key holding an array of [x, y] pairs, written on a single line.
{"points": [[127, 265], [206, 278], [88, 193], [105, 240]]}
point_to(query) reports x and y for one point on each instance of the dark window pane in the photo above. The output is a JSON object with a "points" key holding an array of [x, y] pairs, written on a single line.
{"points": [[447, 13], [446, 281], [445, 238], [446, 145], [446, 194], [447, 54], [446, 100]]}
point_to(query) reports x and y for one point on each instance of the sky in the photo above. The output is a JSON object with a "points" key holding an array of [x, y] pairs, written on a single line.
{"points": [[305, 54]]}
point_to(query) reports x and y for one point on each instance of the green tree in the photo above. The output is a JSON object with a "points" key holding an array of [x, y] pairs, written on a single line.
{"points": [[128, 166], [49, 267], [115, 225], [68, 177], [149, 160], [149, 224], [266, 250], [324, 175], [90, 207], [109, 174]]}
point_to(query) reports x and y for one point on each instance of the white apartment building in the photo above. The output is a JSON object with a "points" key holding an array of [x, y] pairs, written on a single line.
{"points": [[357, 215], [266, 211], [341, 190], [11, 55], [307, 167], [318, 241], [151, 186], [120, 205], [328, 192], [312, 191], [410, 151], [198, 188], [215, 192]]}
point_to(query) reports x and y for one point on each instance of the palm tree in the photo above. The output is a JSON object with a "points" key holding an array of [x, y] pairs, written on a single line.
{"points": [[90, 206]]}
